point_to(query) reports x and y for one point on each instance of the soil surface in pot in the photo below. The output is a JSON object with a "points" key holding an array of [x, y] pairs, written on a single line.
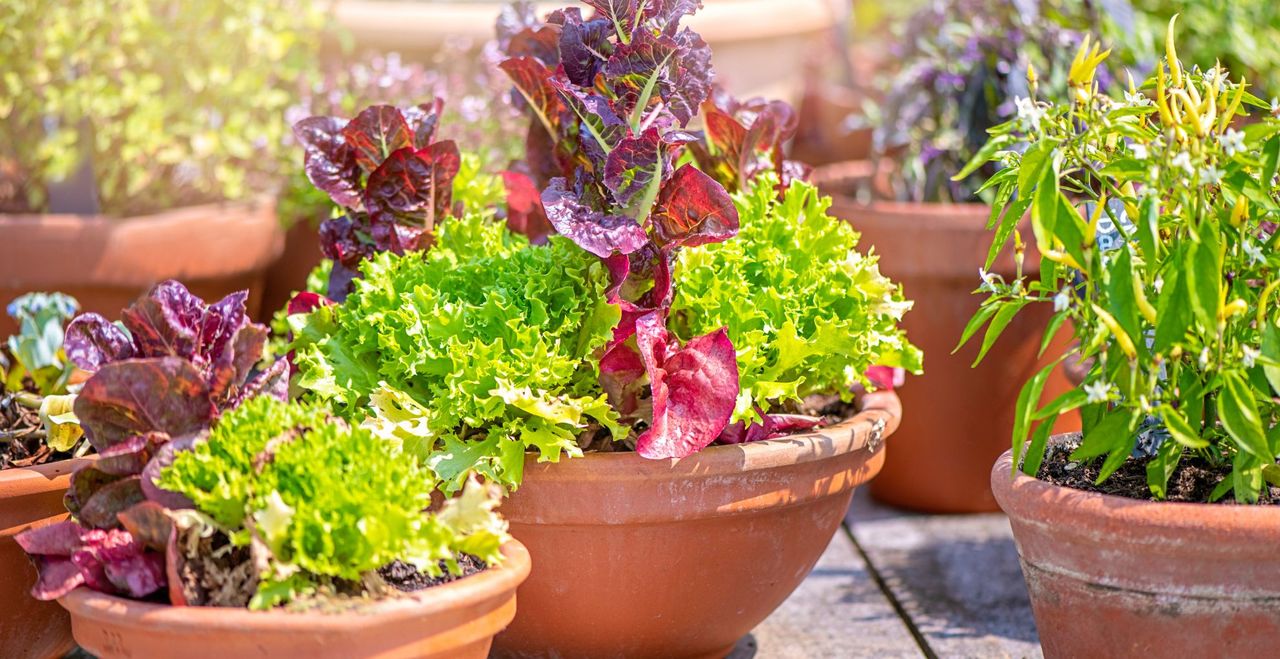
{"points": [[407, 578], [22, 435], [1192, 481]]}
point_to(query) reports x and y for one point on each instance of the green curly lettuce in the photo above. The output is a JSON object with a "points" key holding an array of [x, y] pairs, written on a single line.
{"points": [[470, 354], [327, 500], [806, 311]]}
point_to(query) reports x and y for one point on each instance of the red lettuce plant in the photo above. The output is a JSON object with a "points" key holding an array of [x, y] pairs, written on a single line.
{"points": [[159, 379], [393, 182], [745, 138], [608, 97]]}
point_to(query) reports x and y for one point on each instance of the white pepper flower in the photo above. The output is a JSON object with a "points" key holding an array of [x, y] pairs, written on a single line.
{"points": [[1251, 355], [1232, 142], [1029, 114], [1098, 392], [1139, 151], [1062, 300], [988, 280], [1183, 160], [1210, 175], [1254, 252]]}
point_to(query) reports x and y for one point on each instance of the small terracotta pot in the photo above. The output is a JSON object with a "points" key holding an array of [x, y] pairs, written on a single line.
{"points": [[29, 498], [106, 263], [1116, 577], [961, 417], [288, 274], [681, 558], [455, 620]]}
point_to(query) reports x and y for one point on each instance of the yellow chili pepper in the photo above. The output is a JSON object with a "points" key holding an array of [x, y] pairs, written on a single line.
{"points": [[1230, 112], [1063, 258], [1171, 53], [1236, 307], [1162, 99], [1144, 307], [1122, 339], [1240, 211], [1262, 301]]}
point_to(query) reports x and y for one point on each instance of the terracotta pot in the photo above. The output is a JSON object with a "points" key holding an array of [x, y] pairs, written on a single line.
{"points": [[1116, 577], [289, 273], [760, 45], [106, 263], [962, 417], [455, 620], [681, 558], [29, 498]]}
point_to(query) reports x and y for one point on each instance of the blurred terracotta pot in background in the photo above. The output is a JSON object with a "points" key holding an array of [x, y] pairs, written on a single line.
{"points": [[1116, 577], [30, 497], [106, 263], [961, 418], [288, 274], [681, 558]]}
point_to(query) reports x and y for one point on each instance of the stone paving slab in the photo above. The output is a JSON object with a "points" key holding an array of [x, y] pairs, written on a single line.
{"points": [[955, 576], [838, 611]]}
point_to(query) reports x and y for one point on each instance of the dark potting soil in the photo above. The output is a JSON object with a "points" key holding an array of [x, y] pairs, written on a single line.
{"points": [[216, 574], [407, 578], [22, 434], [1193, 480]]}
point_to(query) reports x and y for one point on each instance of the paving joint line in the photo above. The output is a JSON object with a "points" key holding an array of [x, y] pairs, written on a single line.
{"points": [[881, 583]]}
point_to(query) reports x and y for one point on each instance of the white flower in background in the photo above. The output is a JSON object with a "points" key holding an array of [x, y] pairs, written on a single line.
{"points": [[1251, 355], [1136, 99], [988, 280], [1254, 252], [1062, 300], [1210, 175], [1158, 284], [1232, 141], [1275, 107], [1139, 151], [1098, 392], [1183, 160], [1204, 357], [1029, 114], [1211, 76]]}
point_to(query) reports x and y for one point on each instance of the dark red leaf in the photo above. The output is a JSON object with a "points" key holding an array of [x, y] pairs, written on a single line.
{"points": [[85, 482], [58, 576], [149, 523], [306, 302], [694, 388], [773, 425], [111, 499], [633, 170], [693, 209], [57, 539], [622, 376], [525, 214], [532, 80], [584, 46], [375, 133], [138, 396], [128, 457], [423, 119]]}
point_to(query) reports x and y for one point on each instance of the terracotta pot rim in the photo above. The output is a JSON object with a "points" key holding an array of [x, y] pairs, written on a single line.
{"points": [[463, 593], [23, 481], [1022, 492], [852, 434]]}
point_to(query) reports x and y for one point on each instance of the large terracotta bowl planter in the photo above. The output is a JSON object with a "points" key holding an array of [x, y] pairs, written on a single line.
{"points": [[961, 418], [760, 45], [288, 274], [453, 621], [1116, 577], [681, 558], [30, 497], [106, 263]]}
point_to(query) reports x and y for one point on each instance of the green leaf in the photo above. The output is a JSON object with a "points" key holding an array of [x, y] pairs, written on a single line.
{"points": [[1065, 402], [1120, 298], [1051, 330], [1031, 168], [1173, 311], [1270, 159], [1239, 414], [1271, 352], [1035, 451], [1204, 272], [980, 317], [1044, 207], [1148, 229], [1246, 477], [1161, 467], [1028, 400], [982, 157], [1181, 431], [1001, 320], [1114, 432], [1008, 223]]}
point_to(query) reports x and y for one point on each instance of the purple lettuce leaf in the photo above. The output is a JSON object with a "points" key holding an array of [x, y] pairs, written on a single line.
{"points": [[149, 523], [622, 15], [376, 133], [532, 80], [85, 482], [634, 169], [100, 510], [638, 71], [69, 555], [584, 48], [693, 387], [590, 229], [693, 209], [131, 455], [600, 126], [773, 425], [690, 84], [329, 162], [92, 341], [413, 186], [622, 376], [137, 396], [423, 119]]}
